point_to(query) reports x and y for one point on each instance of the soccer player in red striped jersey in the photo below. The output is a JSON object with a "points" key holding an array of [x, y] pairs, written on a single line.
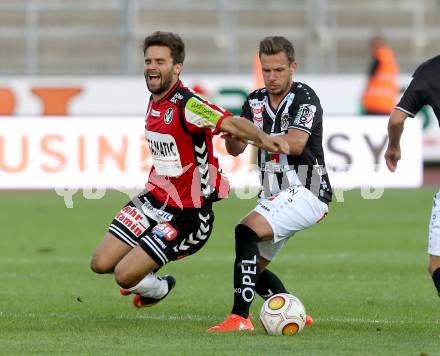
{"points": [[173, 217]]}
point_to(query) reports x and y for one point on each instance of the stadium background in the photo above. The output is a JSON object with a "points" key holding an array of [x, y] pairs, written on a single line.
{"points": [[82, 59], [72, 100]]}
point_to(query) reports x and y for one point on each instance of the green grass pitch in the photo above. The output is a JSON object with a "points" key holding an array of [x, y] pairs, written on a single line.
{"points": [[362, 274]]}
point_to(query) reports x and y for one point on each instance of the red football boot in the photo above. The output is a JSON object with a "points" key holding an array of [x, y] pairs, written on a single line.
{"points": [[233, 322]]}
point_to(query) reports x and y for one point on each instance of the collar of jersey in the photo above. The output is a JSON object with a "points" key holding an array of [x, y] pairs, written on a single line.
{"points": [[170, 92]]}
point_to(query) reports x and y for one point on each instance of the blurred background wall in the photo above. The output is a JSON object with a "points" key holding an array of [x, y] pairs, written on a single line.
{"points": [[47, 37], [66, 64]]}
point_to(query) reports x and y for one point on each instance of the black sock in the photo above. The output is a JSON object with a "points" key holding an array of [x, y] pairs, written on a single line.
{"points": [[246, 269], [436, 279], [269, 284]]}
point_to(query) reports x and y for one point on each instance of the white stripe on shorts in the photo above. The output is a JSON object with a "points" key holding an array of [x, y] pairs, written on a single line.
{"points": [[156, 249], [118, 232]]}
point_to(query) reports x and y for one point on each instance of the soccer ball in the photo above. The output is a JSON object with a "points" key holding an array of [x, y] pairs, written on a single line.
{"points": [[283, 314]]}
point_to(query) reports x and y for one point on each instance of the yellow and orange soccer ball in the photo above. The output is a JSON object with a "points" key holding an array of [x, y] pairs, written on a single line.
{"points": [[283, 314]]}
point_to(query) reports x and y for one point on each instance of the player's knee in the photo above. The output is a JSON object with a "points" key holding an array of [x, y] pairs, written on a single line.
{"points": [[100, 265], [244, 233], [123, 277]]}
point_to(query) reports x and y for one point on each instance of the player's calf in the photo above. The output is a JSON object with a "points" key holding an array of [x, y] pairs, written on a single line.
{"points": [[269, 284], [434, 264]]}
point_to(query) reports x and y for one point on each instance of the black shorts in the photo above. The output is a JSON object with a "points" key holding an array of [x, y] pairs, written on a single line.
{"points": [[164, 232]]}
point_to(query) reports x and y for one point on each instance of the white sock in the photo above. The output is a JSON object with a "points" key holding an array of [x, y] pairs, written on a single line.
{"points": [[151, 286]]}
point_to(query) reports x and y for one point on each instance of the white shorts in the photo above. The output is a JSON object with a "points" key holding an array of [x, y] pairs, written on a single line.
{"points": [[434, 228], [293, 209]]}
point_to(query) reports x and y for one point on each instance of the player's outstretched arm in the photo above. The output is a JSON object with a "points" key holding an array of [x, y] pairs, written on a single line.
{"points": [[297, 140], [245, 130], [395, 129], [234, 145]]}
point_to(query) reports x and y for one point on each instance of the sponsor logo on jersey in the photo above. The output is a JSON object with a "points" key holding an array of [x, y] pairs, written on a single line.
{"points": [[201, 114], [305, 115], [257, 115], [165, 154], [285, 119], [168, 117], [256, 104], [166, 231], [176, 97], [163, 149], [258, 122], [257, 108]]}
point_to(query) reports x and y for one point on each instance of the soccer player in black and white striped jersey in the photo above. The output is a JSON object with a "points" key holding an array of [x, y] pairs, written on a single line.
{"points": [[424, 89], [296, 189]]}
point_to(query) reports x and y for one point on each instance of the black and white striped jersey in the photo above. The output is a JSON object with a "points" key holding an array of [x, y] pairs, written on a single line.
{"points": [[300, 109], [424, 89]]}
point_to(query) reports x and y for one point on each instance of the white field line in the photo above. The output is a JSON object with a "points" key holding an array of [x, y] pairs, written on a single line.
{"points": [[376, 321], [12, 275], [71, 316], [82, 260], [195, 317], [43, 259]]}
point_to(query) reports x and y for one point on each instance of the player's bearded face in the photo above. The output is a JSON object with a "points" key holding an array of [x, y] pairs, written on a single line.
{"points": [[159, 82], [159, 69], [277, 73]]}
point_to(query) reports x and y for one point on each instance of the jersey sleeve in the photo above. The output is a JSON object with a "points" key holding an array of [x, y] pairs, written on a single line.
{"points": [[414, 97], [306, 113], [201, 115]]}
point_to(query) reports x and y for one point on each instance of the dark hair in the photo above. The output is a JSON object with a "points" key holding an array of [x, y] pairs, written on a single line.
{"points": [[167, 39], [276, 44]]}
